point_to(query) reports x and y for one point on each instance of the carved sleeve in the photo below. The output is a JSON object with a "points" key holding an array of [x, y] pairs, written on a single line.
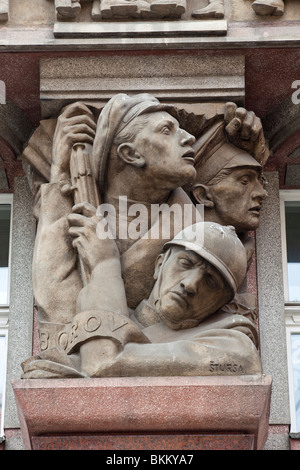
{"points": [[216, 352], [54, 262]]}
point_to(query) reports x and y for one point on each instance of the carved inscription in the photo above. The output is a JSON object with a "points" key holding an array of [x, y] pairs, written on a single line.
{"points": [[235, 368]]}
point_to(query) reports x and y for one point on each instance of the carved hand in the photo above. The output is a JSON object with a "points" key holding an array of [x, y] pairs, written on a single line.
{"points": [[97, 356], [83, 229], [75, 124], [244, 129]]}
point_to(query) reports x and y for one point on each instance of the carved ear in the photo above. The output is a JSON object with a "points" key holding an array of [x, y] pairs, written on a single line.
{"points": [[129, 155], [203, 195], [158, 263]]}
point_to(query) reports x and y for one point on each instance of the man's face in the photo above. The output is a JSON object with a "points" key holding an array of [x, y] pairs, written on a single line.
{"points": [[189, 289], [238, 199], [167, 151]]}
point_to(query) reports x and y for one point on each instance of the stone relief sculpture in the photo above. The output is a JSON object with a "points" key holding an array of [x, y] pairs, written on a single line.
{"points": [[67, 9], [268, 7], [123, 9], [156, 9], [215, 9], [119, 294], [4, 10]]}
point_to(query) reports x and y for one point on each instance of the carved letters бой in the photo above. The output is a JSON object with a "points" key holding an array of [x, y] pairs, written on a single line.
{"points": [[161, 299]]}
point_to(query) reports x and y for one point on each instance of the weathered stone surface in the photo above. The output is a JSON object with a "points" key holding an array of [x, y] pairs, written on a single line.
{"points": [[271, 302], [172, 77], [137, 150], [192, 406]]}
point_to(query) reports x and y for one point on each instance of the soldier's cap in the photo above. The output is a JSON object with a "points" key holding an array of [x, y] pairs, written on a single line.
{"points": [[115, 116], [214, 153]]}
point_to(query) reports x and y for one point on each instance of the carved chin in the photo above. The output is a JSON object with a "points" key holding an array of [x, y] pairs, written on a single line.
{"points": [[167, 317], [189, 174]]}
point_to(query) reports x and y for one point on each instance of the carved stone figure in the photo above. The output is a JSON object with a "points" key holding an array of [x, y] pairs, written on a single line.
{"points": [[215, 9], [268, 7], [4, 10], [177, 330], [128, 9], [123, 9], [67, 9], [227, 174], [137, 151]]}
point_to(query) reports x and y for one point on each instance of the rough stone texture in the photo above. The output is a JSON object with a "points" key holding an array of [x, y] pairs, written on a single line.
{"points": [[14, 126], [278, 438], [21, 307], [207, 78], [149, 442], [295, 443], [271, 302], [292, 177], [281, 122], [209, 405]]}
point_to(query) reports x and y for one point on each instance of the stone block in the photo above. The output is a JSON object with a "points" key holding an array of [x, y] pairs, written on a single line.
{"points": [[95, 412], [173, 77]]}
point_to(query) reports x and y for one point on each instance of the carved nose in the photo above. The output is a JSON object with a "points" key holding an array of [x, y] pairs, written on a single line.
{"points": [[259, 192], [191, 282], [186, 138]]}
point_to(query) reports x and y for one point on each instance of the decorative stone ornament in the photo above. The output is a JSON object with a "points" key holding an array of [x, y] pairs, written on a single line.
{"points": [[268, 7], [136, 9], [122, 9], [215, 9], [121, 294]]}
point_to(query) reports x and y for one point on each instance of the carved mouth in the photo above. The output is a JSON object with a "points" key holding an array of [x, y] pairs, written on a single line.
{"points": [[255, 210], [189, 156], [180, 297]]}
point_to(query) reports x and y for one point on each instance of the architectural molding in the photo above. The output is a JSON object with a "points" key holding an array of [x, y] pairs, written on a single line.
{"points": [[202, 79], [141, 29]]}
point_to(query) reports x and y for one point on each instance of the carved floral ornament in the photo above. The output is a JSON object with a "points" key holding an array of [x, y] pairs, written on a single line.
{"points": [[119, 291], [156, 9]]}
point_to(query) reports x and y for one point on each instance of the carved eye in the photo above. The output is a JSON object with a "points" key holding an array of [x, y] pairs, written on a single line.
{"points": [[211, 281], [245, 179], [166, 130], [186, 263]]}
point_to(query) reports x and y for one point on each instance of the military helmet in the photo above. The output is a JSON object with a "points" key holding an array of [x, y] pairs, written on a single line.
{"points": [[219, 245]]}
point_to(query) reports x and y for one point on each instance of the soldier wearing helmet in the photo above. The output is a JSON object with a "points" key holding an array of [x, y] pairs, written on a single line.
{"points": [[178, 330], [199, 272], [229, 182], [139, 151]]}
